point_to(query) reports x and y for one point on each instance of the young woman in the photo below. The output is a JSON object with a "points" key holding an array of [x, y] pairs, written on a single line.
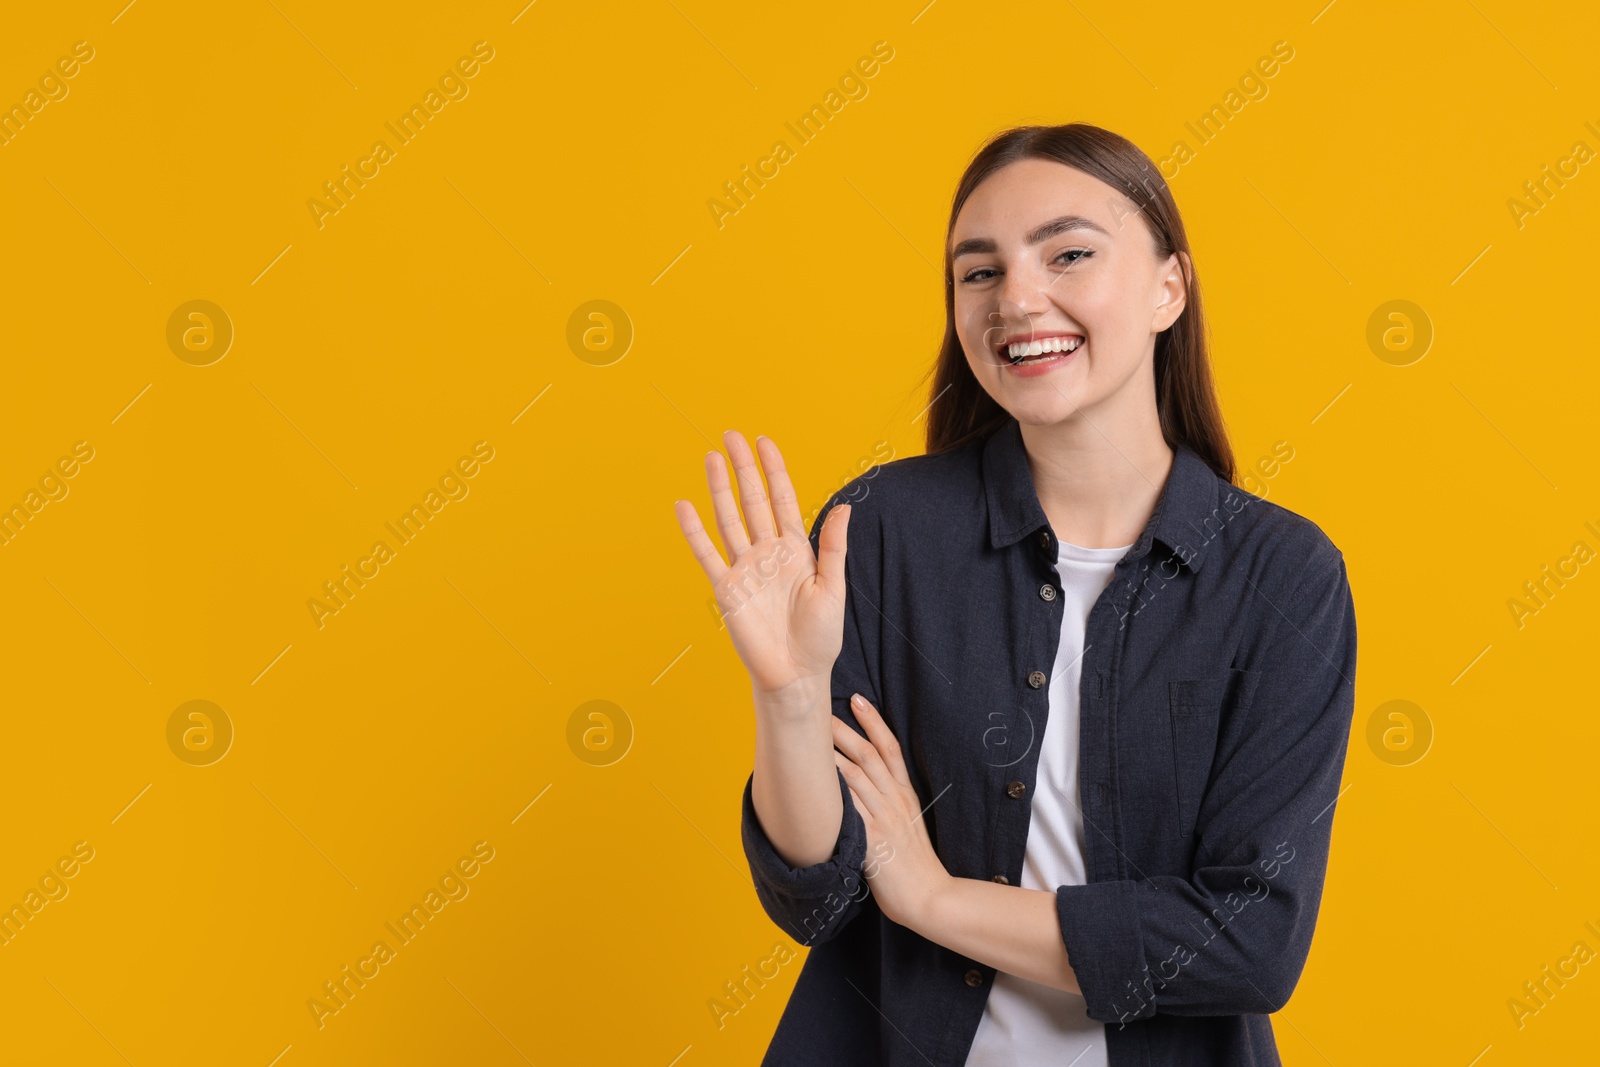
{"points": [[1045, 763]]}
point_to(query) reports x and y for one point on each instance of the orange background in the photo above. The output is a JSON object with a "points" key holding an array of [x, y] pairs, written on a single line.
{"points": [[432, 712]]}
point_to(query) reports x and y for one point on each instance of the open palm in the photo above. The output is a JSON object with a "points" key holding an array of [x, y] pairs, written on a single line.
{"points": [[784, 605]]}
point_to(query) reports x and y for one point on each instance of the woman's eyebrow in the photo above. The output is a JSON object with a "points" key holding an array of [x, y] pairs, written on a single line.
{"points": [[974, 245]]}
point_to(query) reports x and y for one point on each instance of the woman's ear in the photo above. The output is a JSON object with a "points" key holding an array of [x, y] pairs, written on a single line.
{"points": [[1174, 291]]}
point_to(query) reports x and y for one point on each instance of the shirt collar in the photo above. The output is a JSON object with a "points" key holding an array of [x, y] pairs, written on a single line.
{"points": [[1180, 520]]}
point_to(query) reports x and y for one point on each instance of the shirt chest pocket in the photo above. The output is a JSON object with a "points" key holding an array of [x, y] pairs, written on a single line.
{"points": [[1197, 708]]}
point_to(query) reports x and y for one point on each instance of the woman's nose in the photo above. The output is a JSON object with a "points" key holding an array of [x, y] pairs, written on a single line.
{"points": [[1024, 293]]}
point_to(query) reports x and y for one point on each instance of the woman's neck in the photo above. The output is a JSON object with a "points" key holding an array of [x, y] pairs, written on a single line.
{"points": [[1098, 487]]}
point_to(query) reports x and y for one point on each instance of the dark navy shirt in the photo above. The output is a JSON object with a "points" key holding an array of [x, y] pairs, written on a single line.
{"points": [[1216, 700]]}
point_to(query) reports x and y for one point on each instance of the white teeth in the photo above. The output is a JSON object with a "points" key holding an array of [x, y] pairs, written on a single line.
{"points": [[1023, 349]]}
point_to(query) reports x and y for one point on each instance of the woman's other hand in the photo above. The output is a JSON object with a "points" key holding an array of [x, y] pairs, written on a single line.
{"points": [[904, 871]]}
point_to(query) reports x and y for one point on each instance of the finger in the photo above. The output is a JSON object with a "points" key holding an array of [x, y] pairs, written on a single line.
{"points": [[856, 799], [860, 786], [785, 502], [864, 754], [882, 738], [831, 544], [705, 552], [752, 494], [729, 525]]}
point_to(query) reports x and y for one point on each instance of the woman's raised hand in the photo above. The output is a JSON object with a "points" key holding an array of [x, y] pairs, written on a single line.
{"points": [[784, 606]]}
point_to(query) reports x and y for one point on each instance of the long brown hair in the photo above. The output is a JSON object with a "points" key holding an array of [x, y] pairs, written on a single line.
{"points": [[961, 411]]}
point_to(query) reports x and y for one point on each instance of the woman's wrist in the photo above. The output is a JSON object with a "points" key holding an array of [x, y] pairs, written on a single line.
{"points": [[804, 699], [924, 912]]}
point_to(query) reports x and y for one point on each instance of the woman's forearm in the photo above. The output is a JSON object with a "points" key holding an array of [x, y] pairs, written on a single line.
{"points": [[795, 785], [1011, 929]]}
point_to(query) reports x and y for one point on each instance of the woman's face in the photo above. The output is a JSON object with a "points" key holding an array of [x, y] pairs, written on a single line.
{"points": [[1045, 253]]}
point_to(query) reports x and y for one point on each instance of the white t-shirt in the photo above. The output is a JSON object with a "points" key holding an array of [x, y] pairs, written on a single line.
{"points": [[1026, 1024]]}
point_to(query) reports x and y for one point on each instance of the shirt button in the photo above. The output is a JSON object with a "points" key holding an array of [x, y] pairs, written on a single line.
{"points": [[1037, 679], [1002, 879], [974, 978], [1044, 538], [1047, 592], [1015, 789]]}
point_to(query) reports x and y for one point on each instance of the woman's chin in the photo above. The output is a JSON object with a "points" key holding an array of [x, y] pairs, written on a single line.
{"points": [[1044, 410]]}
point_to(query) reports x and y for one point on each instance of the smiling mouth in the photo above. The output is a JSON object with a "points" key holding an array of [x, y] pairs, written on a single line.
{"points": [[1043, 351]]}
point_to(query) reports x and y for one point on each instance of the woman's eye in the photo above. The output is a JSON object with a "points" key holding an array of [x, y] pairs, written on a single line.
{"points": [[1070, 255]]}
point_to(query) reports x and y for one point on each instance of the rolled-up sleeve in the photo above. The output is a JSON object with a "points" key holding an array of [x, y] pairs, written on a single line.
{"points": [[812, 904], [1232, 938]]}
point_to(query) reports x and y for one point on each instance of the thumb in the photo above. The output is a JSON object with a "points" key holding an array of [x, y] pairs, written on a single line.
{"points": [[831, 544]]}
